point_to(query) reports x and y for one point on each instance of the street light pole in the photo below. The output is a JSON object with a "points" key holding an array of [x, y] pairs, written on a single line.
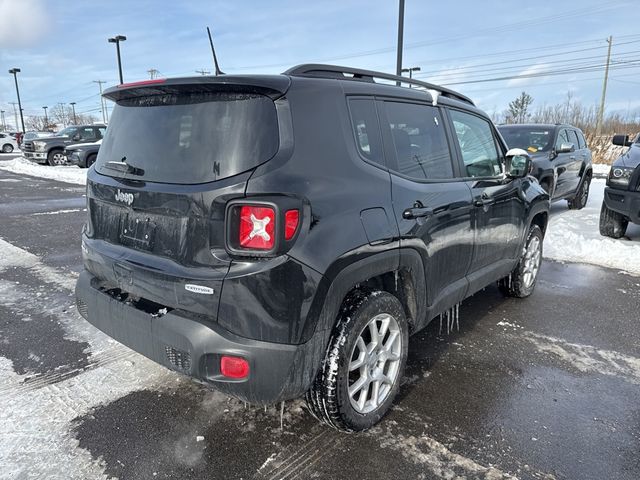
{"points": [[46, 120], [63, 114], [73, 106], [410, 71], [400, 39], [4, 125], [117, 39], [15, 72]]}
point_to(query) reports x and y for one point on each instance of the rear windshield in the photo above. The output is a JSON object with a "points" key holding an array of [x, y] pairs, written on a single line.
{"points": [[188, 138], [533, 139]]}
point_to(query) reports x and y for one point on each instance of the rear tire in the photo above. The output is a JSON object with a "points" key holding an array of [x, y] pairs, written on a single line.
{"points": [[612, 223], [91, 159], [7, 148], [56, 158], [582, 195], [361, 372], [523, 279]]}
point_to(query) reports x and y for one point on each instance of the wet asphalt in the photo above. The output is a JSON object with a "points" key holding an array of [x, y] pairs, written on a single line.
{"points": [[545, 387]]}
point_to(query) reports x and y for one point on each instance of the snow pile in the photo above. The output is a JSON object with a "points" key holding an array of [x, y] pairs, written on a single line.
{"points": [[574, 236], [601, 170], [68, 174]]}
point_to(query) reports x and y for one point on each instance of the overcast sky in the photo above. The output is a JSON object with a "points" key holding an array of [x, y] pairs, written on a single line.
{"points": [[61, 45]]}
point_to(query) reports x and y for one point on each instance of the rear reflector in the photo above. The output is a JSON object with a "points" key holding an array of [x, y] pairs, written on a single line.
{"points": [[257, 227], [291, 219], [234, 367]]}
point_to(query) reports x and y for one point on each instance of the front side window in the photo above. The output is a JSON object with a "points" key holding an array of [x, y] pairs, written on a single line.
{"points": [[477, 145], [366, 128], [563, 137], [420, 141], [573, 138]]}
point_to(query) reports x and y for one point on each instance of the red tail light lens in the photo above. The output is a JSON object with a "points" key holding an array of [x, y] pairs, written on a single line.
{"points": [[291, 219], [234, 367], [257, 227]]}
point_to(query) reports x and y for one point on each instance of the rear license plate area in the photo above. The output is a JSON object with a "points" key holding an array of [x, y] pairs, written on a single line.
{"points": [[138, 232]]}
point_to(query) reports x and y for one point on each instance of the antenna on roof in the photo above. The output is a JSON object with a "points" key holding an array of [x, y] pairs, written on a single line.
{"points": [[215, 59]]}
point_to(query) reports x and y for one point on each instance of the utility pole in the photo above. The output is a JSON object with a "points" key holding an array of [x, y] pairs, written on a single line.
{"points": [[46, 120], [15, 72], [4, 124], [400, 38], [203, 72], [105, 118], [73, 106], [604, 89], [15, 113], [153, 73], [64, 115]]}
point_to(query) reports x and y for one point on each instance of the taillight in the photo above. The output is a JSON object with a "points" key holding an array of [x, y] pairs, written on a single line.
{"points": [[257, 227], [291, 219], [234, 367]]}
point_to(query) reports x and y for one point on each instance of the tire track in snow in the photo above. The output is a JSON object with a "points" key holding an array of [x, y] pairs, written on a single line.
{"points": [[435, 456], [586, 358], [36, 439]]}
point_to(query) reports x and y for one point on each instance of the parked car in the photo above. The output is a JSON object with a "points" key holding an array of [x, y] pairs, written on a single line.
{"points": [[561, 159], [621, 203], [82, 154], [51, 150], [275, 236], [7, 143], [33, 135]]}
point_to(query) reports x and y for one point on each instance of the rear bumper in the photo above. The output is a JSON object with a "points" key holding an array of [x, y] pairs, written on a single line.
{"points": [[626, 202], [277, 371]]}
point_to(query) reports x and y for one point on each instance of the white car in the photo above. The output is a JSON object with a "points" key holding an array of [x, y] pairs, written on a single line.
{"points": [[7, 143]]}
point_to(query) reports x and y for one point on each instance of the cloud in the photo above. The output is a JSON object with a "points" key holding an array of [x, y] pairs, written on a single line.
{"points": [[516, 82], [22, 23]]}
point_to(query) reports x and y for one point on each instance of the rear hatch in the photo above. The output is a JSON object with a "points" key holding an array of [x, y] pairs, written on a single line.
{"points": [[173, 155]]}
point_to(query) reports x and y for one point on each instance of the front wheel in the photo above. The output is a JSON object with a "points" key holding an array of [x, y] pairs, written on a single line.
{"points": [[612, 223], [360, 375], [56, 158], [523, 279], [582, 195], [7, 148]]}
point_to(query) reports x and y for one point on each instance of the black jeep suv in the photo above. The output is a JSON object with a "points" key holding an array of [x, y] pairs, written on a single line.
{"points": [[281, 235], [621, 203], [561, 159]]}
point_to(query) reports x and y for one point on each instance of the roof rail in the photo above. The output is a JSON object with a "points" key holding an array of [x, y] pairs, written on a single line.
{"points": [[335, 71]]}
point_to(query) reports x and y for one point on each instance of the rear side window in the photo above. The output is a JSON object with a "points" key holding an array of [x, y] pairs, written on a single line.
{"points": [[190, 137], [477, 145], [420, 142], [366, 129]]}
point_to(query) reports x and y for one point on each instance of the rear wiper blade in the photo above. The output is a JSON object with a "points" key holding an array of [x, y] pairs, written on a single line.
{"points": [[124, 168]]}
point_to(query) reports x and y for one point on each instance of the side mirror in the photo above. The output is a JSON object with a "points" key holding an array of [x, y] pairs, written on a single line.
{"points": [[621, 140], [566, 148], [518, 163], [76, 137]]}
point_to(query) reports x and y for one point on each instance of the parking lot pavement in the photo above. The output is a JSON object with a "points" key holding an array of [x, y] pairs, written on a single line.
{"points": [[545, 387]]}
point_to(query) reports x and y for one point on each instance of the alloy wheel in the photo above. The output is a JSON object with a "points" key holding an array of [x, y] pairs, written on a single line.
{"points": [[375, 363]]}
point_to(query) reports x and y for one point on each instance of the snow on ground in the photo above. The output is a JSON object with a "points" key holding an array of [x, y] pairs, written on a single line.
{"points": [[574, 236], [66, 173], [601, 170]]}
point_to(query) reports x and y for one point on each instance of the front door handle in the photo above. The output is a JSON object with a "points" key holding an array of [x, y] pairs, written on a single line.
{"points": [[417, 212], [483, 200]]}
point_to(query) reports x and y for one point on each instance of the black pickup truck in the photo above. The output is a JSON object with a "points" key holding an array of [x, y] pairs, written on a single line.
{"points": [[50, 150]]}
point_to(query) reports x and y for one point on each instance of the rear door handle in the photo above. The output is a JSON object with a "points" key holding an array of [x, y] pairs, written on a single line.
{"points": [[417, 212], [572, 157]]}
